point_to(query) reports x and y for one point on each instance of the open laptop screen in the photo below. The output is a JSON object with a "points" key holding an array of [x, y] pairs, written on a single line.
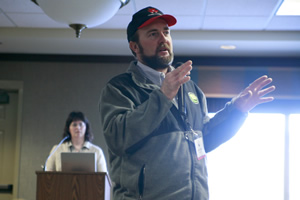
{"points": [[83, 162]]}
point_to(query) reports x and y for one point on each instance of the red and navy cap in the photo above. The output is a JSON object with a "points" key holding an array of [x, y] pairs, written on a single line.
{"points": [[145, 17]]}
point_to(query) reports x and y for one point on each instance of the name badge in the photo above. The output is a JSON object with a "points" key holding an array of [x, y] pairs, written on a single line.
{"points": [[199, 146]]}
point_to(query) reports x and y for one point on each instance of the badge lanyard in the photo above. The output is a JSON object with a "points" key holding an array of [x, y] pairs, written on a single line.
{"points": [[198, 140]]}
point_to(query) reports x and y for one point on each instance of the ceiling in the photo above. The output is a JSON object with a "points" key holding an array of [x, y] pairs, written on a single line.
{"points": [[202, 27]]}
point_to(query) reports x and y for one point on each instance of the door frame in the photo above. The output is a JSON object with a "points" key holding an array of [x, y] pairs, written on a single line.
{"points": [[18, 87]]}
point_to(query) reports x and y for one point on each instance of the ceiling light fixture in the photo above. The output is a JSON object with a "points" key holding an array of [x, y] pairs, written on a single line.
{"points": [[289, 8], [79, 14], [228, 47]]}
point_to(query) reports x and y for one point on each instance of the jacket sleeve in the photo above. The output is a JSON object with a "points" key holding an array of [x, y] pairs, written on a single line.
{"points": [[223, 126], [101, 161], [124, 122], [50, 165], [220, 128]]}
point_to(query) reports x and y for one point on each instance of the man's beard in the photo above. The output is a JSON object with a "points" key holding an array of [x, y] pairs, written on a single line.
{"points": [[156, 62]]}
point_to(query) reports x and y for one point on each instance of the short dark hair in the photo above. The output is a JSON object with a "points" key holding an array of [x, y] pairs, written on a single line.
{"points": [[135, 38], [74, 116]]}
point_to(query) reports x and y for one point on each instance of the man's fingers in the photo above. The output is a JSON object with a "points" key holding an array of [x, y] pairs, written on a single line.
{"points": [[253, 94], [185, 79], [181, 74], [259, 83], [175, 78], [264, 83], [185, 68], [265, 100], [266, 91]]}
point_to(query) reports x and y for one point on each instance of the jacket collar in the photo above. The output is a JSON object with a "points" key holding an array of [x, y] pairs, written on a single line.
{"points": [[86, 145], [140, 78]]}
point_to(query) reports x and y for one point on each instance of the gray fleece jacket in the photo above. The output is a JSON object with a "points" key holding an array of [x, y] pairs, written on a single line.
{"points": [[152, 154]]}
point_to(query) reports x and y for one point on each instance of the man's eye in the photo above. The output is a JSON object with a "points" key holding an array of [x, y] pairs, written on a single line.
{"points": [[153, 34]]}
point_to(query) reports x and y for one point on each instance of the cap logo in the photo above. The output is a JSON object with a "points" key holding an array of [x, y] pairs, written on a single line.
{"points": [[152, 10]]}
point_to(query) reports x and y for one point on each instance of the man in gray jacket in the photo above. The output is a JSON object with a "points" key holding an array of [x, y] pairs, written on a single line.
{"points": [[157, 133]]}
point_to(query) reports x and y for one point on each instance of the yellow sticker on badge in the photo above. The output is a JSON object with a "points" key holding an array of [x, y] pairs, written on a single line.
{"points": [[193, 98]]}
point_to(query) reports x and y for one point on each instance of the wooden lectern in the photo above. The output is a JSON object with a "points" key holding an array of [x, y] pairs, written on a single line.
{"points": [[73, 186]]}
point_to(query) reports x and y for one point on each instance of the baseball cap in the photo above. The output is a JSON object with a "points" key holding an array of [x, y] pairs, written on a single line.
{"points": [[145, 17]]}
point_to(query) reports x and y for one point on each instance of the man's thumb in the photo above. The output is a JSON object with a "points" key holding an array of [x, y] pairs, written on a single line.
{"points": [[247, 95]]}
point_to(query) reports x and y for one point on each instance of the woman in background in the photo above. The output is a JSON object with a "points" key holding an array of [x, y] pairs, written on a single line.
{"points": [[80, 137]]}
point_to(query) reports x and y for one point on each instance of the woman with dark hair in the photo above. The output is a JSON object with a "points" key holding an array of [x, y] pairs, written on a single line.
{"points": [[79, 139]]}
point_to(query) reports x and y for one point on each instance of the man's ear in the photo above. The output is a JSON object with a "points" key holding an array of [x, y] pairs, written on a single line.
{"points": [[134, 46]]}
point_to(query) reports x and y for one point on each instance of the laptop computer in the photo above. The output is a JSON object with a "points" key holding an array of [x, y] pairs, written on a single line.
{"points": [[79, 162]]}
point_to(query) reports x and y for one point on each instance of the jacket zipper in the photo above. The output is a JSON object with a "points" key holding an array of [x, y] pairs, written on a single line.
{"points": [[188, 127], [192, 164]]}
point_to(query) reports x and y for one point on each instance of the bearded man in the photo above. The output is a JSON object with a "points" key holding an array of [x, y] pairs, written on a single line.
{"points": [[157, 151]]}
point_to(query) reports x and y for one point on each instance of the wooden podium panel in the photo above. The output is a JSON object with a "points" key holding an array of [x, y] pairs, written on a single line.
{"points": [[72, 186]]}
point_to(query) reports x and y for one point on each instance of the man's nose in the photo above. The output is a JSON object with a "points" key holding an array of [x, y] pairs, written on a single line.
{"points": [[163, 37]]}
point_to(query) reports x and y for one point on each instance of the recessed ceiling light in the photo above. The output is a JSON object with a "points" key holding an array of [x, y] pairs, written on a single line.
{"points": [[228, 47], [289, 8]]}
